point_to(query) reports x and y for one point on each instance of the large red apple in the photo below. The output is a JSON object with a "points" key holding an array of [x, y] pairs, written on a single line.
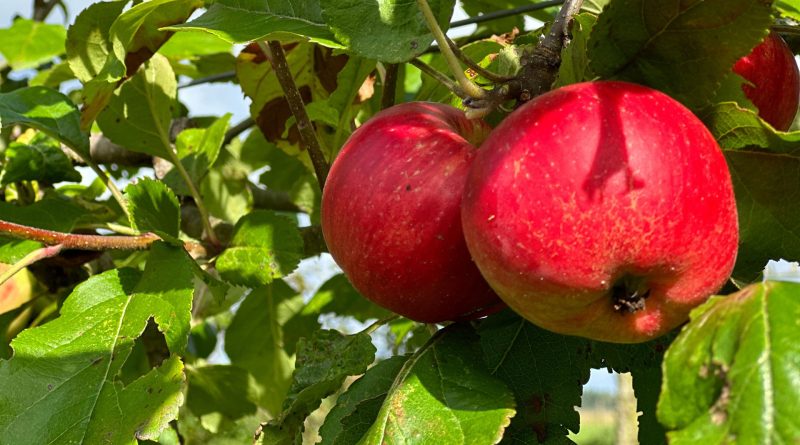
{"points": [[603, 210], [773, 73], [391, 212]]}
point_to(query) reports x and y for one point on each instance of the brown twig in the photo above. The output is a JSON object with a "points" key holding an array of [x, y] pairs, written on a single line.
{"points": [[42, 8], [78, 241], [238, 129], [539, 69], [277, 58], [389, 86]]}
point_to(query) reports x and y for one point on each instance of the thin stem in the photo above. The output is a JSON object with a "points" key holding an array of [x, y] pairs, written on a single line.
{"points": [[198, 199], [227, 75], [466, 85], [505, 13], [110, 185], [78, 241], [274, 52], [439, 77], [374, 326], [474, 66], [238, 129], [389, 86], [118, 228], [42, 8], [786, 29], [27, 260]]}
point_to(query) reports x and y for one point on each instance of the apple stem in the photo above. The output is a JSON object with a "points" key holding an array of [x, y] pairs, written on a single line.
{"points": [[277, 58], [439, 77], [27, 260], [481, 71], [467, 86]]}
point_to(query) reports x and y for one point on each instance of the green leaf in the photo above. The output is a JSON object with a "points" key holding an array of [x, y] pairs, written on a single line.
{"points": [[387, 30], [61, 380], [444, 394], [191, 45], [27, 43], [515, 350], [46, 110], [141, 410], [788, 8], [574, 66], [357, 408], [139, 113], [736, 128], [153, 208], [769, 218], [323, 362], [241, 21], [762, 180], [338, 296], [265, 246], [594, 6], [88, 43], [219, 389], [731, 375], [135, 36], [198, 149], [39, 160], [52, 77], [684, 49], [50, 213], [255, 340]]}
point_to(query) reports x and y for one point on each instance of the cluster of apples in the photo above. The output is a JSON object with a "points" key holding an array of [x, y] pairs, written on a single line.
{"points": [[601, 209]]}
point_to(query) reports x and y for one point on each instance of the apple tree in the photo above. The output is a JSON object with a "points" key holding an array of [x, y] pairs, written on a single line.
{"points": [[160, 276]]}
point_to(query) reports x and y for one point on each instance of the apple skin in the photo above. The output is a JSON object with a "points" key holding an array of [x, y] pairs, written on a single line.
{"points": [[775, 79], [595, 191], [391, 213]]}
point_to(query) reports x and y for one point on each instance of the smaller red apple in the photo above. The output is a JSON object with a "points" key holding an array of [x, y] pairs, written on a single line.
{"points": [[775, 79], [391, 213]]}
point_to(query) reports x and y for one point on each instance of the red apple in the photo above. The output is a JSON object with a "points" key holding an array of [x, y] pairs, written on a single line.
{"points": [[391, 212], [773, 73], [603, 210]]}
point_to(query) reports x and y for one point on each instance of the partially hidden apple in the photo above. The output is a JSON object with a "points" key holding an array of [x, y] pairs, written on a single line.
{"points": [[603, 210], [391, 213], [16, 291], [774, 81]]}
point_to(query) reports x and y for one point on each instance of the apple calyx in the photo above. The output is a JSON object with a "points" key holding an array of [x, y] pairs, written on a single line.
{"points": [[629, 294]]}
